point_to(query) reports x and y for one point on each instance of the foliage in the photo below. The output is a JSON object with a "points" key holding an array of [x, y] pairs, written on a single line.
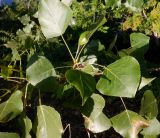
{"points": [[86, 13], [146, 21], [82, 54]]}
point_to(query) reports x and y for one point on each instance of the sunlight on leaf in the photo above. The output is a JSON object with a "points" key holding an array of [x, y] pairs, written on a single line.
{"points": [[49, 123], [67, 2], [95, 120], [39, 68], [54, 17]]}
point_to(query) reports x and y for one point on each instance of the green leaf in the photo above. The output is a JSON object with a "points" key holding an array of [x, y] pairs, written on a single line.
{"points": [[39, 68], [153, 130], [94, 48], [48, 85], [149, 106], [83, 82], [54, 17], [93, 106], [145, 81], [85, 36], [9, 135], [150, 136], [120, 78], [139, 40], [28, 28], [95, 120], [134, 5], [15, 55], [12, 107], [26, 126], [87, 62], [11, 44], [128, 124], [112, 44], [113, 3], [49, 123], [6, 71], [139, 46], [89, 59], [25, 19], [97, 124], [90, 69]]}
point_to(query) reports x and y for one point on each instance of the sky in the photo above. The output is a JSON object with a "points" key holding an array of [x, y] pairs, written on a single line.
{"points": [[8, 2]]}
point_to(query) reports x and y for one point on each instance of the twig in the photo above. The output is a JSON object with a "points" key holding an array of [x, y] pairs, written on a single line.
{"points": [[62, 67], [68, 48], [25, 95], [69, 127], [39, 98]]}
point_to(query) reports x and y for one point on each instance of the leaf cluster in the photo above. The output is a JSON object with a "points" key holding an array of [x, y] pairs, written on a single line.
{"points": [[42, 58]]}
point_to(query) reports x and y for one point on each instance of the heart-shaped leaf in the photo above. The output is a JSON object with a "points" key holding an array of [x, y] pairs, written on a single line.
{"points": [[9, 135], [49, 123], [128, 124], [39, 68], [12, 107], [54, 17], [120, 78], [95, 120], [149, 105], [83, 82]]}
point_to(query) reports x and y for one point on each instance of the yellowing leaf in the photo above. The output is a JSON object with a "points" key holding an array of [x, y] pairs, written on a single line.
{"points": [[128, 124]]}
